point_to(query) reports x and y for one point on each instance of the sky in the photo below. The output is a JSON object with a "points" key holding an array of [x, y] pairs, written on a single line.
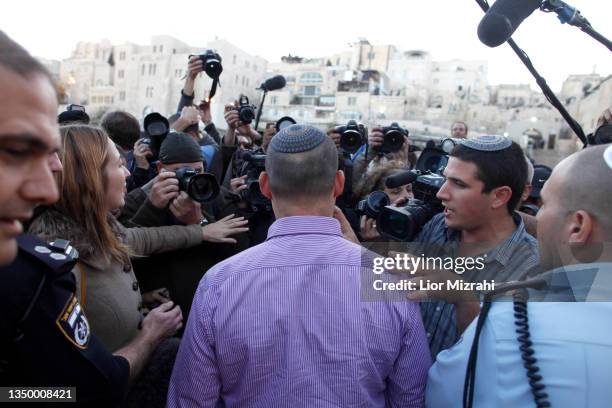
{"points": [[313, 28]]}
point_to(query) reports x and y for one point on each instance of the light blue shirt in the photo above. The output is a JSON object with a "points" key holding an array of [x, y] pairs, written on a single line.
{"points": [[572, 343]]}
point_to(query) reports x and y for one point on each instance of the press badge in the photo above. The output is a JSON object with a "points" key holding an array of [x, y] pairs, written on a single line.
{"points": [[73, 324]]}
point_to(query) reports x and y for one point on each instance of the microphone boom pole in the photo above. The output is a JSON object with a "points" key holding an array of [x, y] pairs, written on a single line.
{"points": [[550, 95]]}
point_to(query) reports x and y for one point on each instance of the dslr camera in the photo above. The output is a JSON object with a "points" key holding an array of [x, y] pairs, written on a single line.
{"points": [[211, 62], [252, 166], [201, 187], [246, 111], [353, 136], [393, 138]]}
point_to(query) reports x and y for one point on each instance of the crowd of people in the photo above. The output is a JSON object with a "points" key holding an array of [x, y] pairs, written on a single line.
{"points": [[235, 268]]}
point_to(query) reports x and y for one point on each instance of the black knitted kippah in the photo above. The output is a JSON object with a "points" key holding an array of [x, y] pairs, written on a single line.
{"points": [[297, 138]]}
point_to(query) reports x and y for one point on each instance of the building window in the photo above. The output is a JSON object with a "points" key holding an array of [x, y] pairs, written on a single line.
{"points": [[161, 48], [120, 73], [234, 60], [152, 69], [247, 82], [155, 48], [107, 100], [351, 101], [246, 64], [122, 55], [149, 92], [243, 81], [311, 77], [122, 96], [142, 70], [311, 90], [236, 80], [178, 73], [274, 100]]}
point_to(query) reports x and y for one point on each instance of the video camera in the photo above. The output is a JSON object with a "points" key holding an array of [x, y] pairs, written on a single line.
{"points": [[201, 187], [372, 205], [404, 223], [252, 164], [156, 129], [352, 136]]}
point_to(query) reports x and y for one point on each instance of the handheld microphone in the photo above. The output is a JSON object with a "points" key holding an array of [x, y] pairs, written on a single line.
{"points": [[400, 179], [503, 18], [273, 84]]}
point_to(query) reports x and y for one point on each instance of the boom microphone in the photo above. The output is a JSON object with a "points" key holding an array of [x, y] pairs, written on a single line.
{"points": [[400, 179], [274, 83], [503, 18]]}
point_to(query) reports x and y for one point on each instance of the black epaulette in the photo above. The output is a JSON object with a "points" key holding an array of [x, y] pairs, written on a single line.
{"points": [[59, 256]]}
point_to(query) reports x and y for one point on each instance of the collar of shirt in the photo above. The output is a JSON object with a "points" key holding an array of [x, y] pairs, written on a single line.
{"points": [[502, 252], [307, 224]]}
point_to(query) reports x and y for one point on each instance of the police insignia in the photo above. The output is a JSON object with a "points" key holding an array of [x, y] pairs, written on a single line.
{"points": [[73, 324]]}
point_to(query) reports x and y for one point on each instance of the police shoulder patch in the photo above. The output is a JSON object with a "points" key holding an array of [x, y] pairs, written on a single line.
{"points": [[73, 323]]}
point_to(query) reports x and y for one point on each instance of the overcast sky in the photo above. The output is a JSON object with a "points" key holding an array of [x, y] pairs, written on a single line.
{"points": [[445, 28]]}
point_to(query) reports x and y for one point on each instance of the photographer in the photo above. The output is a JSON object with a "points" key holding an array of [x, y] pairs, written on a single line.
{"points": [[194, 68], [375, 180], [188, 123], [161, 202], [376, 157], [124, 130], [485, 178], [561, 357]]}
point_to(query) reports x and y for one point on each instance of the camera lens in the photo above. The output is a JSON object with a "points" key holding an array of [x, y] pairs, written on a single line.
{"points": [[373, 204], [246, 114], [603, 135], [202, 187], [392, 142], [350, 140]]}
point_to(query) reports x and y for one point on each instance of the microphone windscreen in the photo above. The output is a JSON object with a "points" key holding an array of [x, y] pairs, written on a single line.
{"points": [[274, 83], [400, 179], [503, 18]]}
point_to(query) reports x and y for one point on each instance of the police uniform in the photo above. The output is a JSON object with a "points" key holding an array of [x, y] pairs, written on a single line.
{"points": [[45, 338]]}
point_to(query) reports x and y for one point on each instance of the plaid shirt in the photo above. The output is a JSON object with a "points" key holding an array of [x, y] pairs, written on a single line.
{"points": [[516, 257]]}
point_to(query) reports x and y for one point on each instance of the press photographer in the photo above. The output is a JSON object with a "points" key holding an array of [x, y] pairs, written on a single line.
{"points": [[182, 194]]}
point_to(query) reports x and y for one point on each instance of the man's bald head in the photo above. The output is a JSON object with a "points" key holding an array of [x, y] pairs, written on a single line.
{"points": [[587, 185]]}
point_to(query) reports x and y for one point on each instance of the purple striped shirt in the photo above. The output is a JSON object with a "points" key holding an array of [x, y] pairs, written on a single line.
{"points": [[283, 324]]}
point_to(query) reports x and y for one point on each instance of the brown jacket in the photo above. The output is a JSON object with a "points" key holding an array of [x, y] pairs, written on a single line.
{"points": [[109, 291]]}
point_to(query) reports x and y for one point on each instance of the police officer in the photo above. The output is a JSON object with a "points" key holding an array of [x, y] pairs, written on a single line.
{"points": [[45, 338]]}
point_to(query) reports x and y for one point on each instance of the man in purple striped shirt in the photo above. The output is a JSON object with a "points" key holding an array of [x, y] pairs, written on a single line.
{"points": [[286, 323]]}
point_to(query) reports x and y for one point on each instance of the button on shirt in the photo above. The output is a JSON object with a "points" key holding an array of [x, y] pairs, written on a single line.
{"points": [[284, 324], [572, 341], [513, 258]]}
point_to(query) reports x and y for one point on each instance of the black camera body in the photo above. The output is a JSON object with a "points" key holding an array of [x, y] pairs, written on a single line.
{"points": [[201, 187], [404, 223], [352, 136], [393, 138], [246, 111], [211, 63], [252, 166]]}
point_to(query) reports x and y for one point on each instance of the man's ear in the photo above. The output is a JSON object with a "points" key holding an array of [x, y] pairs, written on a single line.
{"points": [[158, 165], [264, 185], [501, 196], [338, 183], [580, 227]]}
